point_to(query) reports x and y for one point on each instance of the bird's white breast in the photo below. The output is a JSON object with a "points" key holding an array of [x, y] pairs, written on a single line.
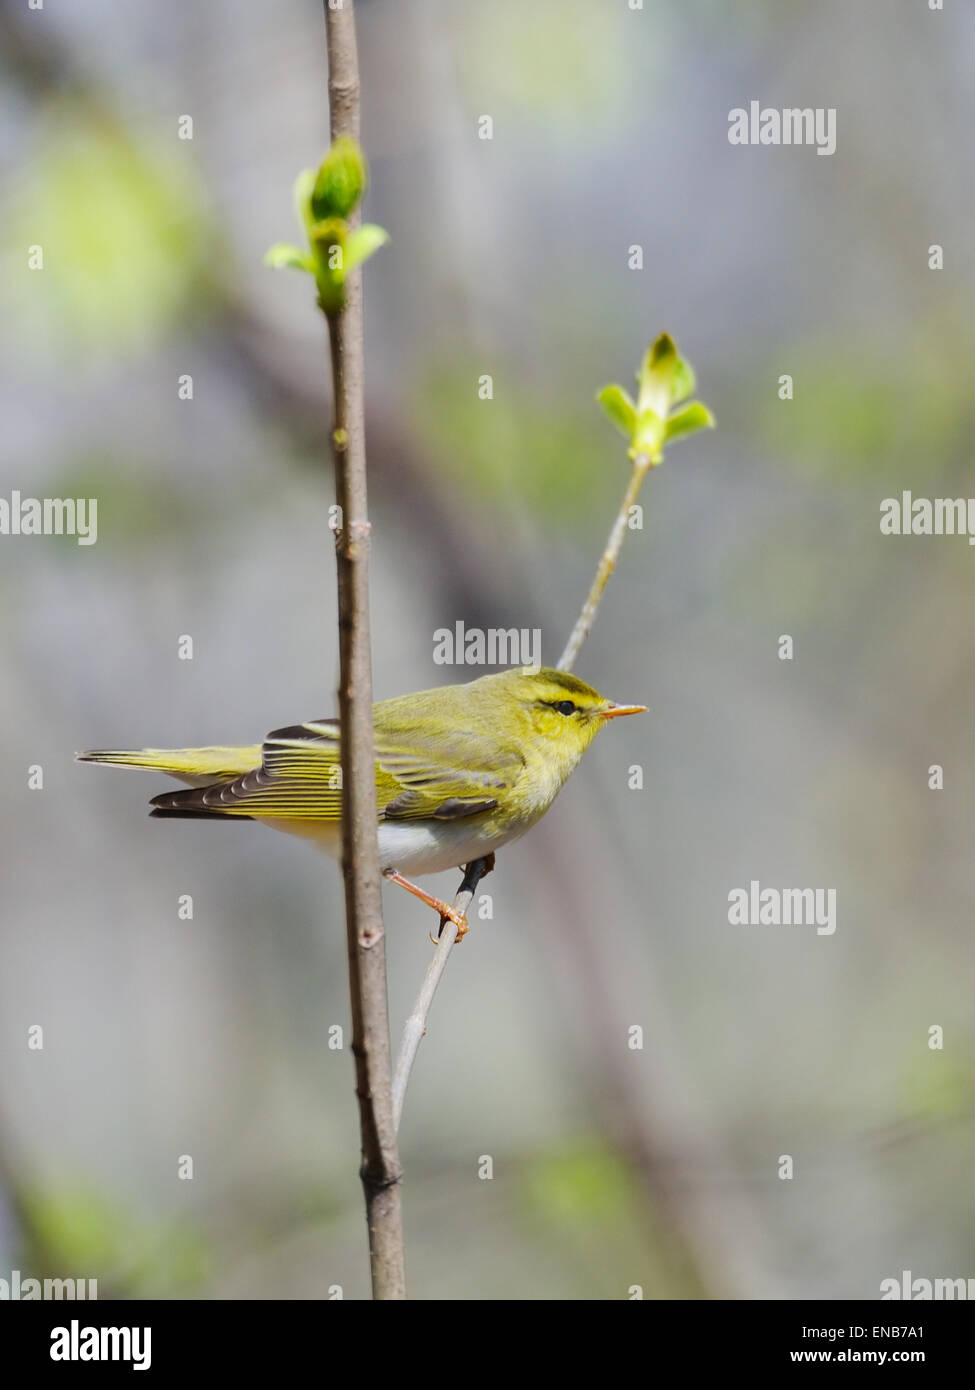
{"points": [[413, 847]]}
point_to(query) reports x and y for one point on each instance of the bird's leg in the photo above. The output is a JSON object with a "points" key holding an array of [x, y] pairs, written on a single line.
{"points": [[473, 873], [444, 909]]}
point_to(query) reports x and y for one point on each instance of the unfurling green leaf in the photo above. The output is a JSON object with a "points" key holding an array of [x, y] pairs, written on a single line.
{"points": [[328, 259], [664, 379], [619, 409], [687, 420], [324, 200], [282, 256], [648, 435], [362, 243], [662, 356], [331, 231], [341, 180], [656, 376], [303, 186], [683, 382]]}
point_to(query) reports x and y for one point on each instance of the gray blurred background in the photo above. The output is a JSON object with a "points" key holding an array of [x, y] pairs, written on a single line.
{"points": [[164, 1037]]}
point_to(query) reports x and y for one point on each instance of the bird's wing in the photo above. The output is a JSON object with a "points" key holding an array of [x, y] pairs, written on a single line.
{"points": [[455, 775]]}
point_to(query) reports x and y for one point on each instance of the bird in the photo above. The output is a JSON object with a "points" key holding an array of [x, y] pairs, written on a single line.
{"points": [[461, 771]]}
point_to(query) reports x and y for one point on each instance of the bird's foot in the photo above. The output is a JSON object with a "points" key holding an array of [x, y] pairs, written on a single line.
{"points": [[450, 914], [447, 913]]}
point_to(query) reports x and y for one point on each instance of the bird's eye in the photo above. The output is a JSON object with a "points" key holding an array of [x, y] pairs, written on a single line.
{"points": [[565, 707]]}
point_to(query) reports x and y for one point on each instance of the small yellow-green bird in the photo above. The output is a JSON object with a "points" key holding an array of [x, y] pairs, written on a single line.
{"points": [[460, 771]]}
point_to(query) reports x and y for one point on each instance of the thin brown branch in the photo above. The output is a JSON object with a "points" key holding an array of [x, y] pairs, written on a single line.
{"points": [[416, 1024], [381, 1172], [607, 563]]}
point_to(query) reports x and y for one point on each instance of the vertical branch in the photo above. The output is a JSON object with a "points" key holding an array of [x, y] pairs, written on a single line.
{"points": [[381, 1172]]}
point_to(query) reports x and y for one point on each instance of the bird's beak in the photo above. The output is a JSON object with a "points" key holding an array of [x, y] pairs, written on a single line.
{"points": [[614, 711]]}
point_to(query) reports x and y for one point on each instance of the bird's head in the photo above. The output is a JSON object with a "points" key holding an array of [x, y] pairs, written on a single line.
{"points": [[552, 710]]}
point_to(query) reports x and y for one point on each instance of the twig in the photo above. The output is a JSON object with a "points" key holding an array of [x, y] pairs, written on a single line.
{"points": [[607, 563], [381, 1172], [416, 1024]]}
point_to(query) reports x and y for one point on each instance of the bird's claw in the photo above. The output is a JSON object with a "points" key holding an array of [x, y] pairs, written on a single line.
{"points": [[459, 921]]}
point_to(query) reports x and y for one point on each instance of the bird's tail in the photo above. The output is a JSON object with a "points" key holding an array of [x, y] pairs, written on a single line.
{"points": [[198, 767]]}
